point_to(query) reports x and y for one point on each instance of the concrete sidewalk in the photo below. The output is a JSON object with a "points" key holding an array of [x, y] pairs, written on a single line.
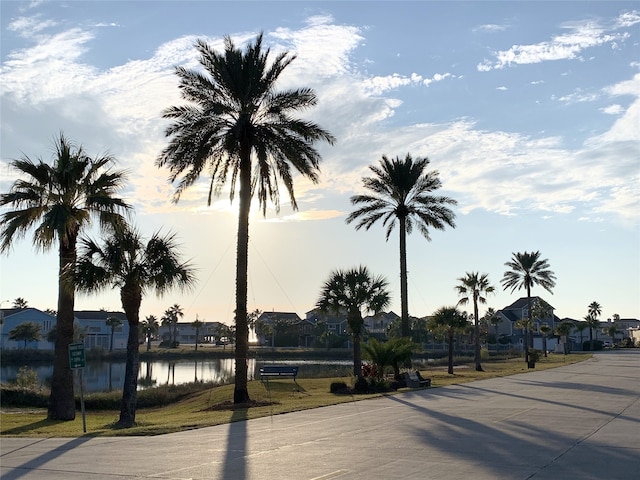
{"points": [[581, 421]]}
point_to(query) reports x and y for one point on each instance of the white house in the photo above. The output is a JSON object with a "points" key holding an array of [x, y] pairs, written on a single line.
{"points": [[12, 317]]}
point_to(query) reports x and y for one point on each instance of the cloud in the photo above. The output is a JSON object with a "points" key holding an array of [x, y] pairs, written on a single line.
{"points": [[579, 37], [614, 109], [490, 28]]}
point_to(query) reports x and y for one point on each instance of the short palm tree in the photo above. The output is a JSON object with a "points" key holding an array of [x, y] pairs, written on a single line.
{"points": [[150, 327], [126, 262], [240, 129], [353, 291], [58, 202], [581, 327], [612, 331], [494, 320], [475, 286], [593, 323], [197, 324], [402, 194], [564, 330], [112, 323], [545, 330], [451, 321], [527, 270]]}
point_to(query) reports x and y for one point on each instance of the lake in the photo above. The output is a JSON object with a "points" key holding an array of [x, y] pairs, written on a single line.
{"points": [[106, 376]]}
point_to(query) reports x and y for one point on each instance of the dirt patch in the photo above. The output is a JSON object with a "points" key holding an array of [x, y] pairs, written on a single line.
{"points": [[229, 405]]}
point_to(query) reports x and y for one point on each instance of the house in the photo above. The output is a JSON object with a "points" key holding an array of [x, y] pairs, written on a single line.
{"points": [[518, 310], [378, 324], [185, 333], [284, 329], [90, 326], [12, 317]]}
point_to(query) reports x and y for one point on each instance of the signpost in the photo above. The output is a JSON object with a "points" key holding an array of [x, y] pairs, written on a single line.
{"points": [[77, 362]]}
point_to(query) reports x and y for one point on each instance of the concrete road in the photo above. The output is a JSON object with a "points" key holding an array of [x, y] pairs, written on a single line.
{"points": [[576, 422]]}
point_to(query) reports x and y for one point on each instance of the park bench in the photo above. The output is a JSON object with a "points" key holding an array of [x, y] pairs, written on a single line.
{"points": [[278, 371], [415, 380]]}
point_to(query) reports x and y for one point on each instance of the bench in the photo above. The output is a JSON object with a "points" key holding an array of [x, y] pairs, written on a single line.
{"points": [[278, 371], [415, 380]]}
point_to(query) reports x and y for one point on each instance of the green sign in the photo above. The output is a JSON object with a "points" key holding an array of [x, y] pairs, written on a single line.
{"points": [[76, 355]]}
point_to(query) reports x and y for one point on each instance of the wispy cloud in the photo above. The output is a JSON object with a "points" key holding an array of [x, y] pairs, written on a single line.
{"points": [[490, 28], [570, 45]]}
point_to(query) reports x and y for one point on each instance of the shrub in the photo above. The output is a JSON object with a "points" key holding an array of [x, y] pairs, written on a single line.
{"points": [[27, 378], [361, 385], [338, 387], [597, 345]]}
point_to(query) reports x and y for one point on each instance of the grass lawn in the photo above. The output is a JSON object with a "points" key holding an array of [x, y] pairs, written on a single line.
{"points": [[213, 407]]}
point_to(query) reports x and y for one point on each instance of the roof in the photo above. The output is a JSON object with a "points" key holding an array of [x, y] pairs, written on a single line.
{"points": [[272, 316], [522, 303], [98, 315]]}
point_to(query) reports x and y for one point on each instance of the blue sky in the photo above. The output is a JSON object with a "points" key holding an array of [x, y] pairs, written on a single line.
{"points": [[530, 111]]}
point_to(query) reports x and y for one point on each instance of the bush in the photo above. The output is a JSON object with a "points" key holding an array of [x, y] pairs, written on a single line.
{"points": [[27, 378], [597, 345], [338, 387], [361, 385]]}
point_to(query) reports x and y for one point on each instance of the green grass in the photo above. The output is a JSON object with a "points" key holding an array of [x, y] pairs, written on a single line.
{"points": [[213, 407]]}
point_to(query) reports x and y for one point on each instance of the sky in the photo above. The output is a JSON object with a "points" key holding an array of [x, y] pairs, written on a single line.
{"points": [[530, 112]]}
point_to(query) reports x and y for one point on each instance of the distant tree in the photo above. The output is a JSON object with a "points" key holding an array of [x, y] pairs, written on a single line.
{"points": [[564, 330], [595, 310], [494, 320], [150, 327], [527, 270], [20, 303], [581, 327], [125, 261], [26, 332], [58, 202], [545, 330], [113, 323], [78, 334], [449, 320], [594, 324], [353, 291], [176, 314], [474, 286], [401, 191], [197, 324], [612, 330]]}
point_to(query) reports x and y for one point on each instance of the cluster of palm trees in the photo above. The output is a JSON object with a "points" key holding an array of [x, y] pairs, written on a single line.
{"points": [[240, 131]]}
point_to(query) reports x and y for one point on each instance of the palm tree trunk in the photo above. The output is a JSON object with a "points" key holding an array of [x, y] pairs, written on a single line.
{"points": [[355, 323], [61, 400], [527, 332], [476, 334], [404, 301], [450, 370], [240, 392], [131, 300]]}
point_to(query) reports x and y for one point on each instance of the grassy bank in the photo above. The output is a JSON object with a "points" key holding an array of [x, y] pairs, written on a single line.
{"points": [[212, 406]]}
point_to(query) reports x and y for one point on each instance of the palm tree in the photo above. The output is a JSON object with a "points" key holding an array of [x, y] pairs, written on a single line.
{"points": [[527, 270], [238, 127], [351, 291], [595, 310], [564, 330], [59, 201], [612, 330], [150, 327], [20, 303], [113, 323], [450, 320], [593, 323], [176, 314], [494, 320], [545, 330], [126, 262], [401, 190], [26, 332], [197, 324], [581, 327], [473, 286]]}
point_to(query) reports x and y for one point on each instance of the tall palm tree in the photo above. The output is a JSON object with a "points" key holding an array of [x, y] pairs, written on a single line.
{"points": [[527, 270], [150, 327], [402, 193], [112, 323], [451, 321], [176, 314], [58, 202], [126, 262], [353, 291], [473, 286], [238, 127], [595, 310]]}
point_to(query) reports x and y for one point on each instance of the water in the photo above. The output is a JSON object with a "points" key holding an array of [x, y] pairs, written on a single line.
{"points": [[108, 376]]}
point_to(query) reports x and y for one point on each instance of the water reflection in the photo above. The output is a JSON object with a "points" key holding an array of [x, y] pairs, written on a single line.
{"points": [[109, 376]]}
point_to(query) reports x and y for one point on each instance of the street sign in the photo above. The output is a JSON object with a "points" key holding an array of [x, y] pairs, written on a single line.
{"points": [[76, 355]]}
